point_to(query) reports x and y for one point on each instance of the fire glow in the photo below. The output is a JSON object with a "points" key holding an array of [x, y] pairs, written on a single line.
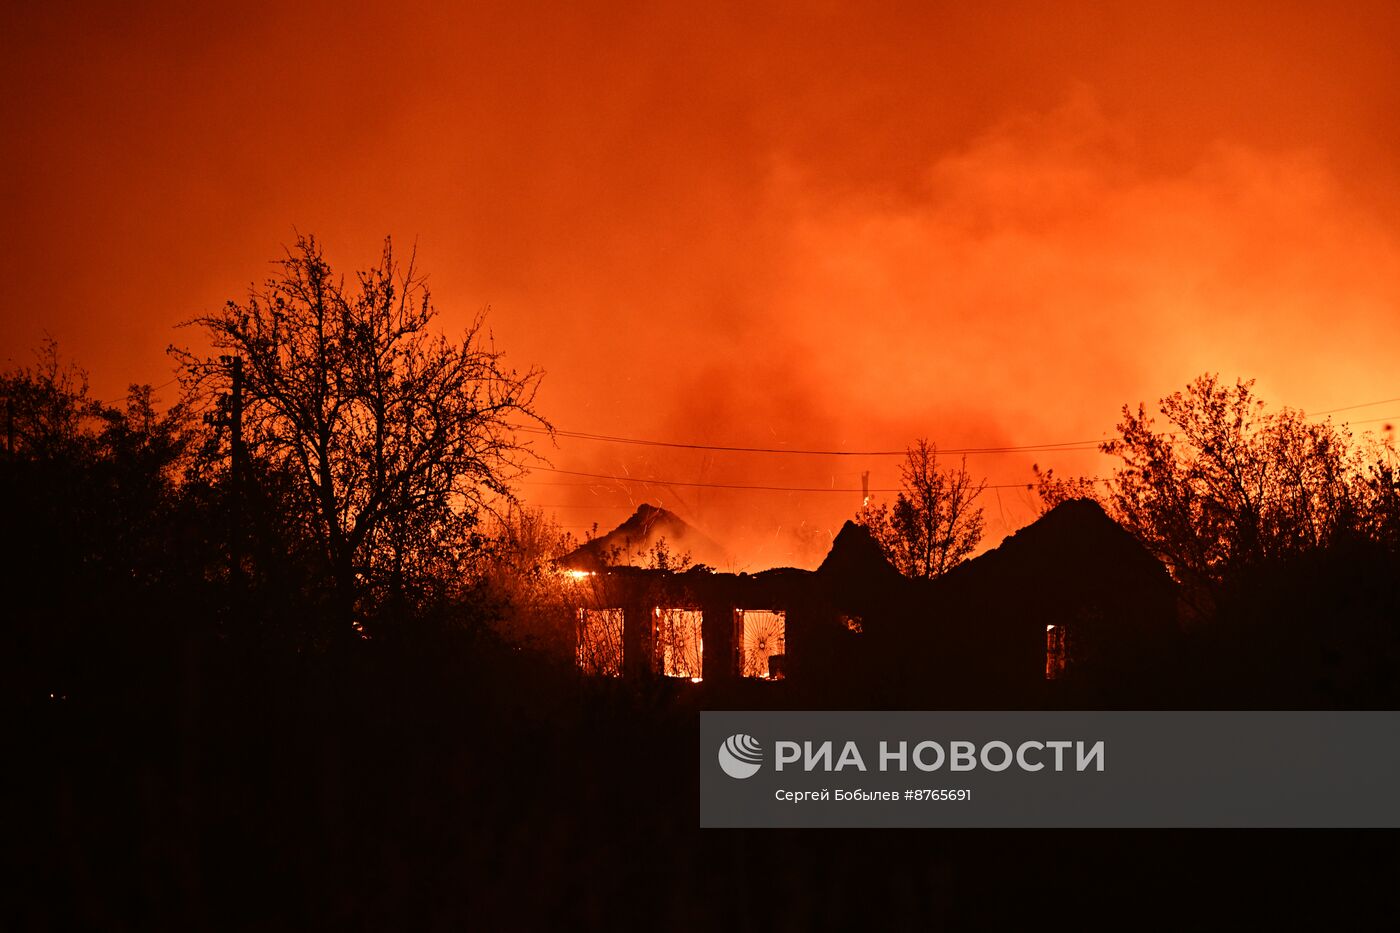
{"points": [[925, 244]]}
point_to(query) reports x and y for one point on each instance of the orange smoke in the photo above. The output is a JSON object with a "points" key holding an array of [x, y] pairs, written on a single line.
{"points": [[833, 228]]}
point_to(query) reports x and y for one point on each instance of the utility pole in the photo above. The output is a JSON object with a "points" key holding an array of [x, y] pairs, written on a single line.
{"points": [[236, 424], [865, 488], [238, 466], [232, 417]]}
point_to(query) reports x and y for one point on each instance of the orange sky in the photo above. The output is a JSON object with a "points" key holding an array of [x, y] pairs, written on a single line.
{"points": [[819, 226]]}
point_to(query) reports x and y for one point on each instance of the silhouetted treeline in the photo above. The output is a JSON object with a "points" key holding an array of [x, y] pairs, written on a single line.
{"points": [[1283, 533], [200, 746], [107, 556]]}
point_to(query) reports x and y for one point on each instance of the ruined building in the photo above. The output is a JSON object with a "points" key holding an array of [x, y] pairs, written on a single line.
{"points": [[1070, 598]]}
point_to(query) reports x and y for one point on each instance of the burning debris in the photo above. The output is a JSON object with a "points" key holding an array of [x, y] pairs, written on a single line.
{"points": [[599, 650]]}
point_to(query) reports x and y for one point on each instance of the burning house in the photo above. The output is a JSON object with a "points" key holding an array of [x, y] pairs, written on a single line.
{"points": [[693, 625], [1070, 598]]}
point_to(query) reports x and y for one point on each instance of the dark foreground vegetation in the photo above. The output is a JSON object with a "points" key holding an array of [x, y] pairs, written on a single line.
{"points": [[450, 783], [278, 678], [192, 753]]}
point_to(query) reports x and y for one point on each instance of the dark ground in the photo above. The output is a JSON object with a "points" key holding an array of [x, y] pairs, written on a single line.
{"points": [[459, 784]]}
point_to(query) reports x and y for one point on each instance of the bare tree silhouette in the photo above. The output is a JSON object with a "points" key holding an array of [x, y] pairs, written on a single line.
{"points": [[396, 437], [935, 523]]}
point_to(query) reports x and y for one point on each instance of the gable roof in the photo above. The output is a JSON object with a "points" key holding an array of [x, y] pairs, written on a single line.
{"points": [[637, 535]]}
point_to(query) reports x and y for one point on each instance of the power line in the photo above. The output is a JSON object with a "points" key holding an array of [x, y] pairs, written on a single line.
{"points": [[1054, 447], [644, 442], [1333, 411], [653, 481], [697, 485], [589, 506], [128, 395], [610, 477]]}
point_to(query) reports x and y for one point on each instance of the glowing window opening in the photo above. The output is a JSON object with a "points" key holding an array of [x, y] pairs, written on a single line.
{"points": [[599, 649], [759, 636], [680, 633]]}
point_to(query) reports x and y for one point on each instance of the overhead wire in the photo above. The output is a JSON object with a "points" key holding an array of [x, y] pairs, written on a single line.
{"points": [[1068, 446], [652, 481], [1049, 447]]}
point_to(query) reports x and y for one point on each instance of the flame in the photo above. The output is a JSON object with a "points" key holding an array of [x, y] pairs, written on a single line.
{"points": [[682, 642]]}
